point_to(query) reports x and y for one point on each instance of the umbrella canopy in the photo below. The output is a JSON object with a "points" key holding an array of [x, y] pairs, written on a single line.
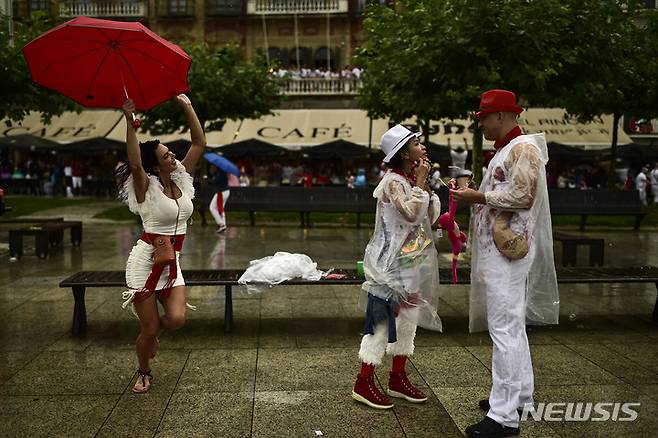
{"points": [[223, 163], [438, 153], [250, 148], [339, 149], [557, 151], [99, 63], [28, 141]]}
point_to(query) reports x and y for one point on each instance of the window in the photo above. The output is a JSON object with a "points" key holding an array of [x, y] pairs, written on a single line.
{"points": [[38, 5], [178, 7]]}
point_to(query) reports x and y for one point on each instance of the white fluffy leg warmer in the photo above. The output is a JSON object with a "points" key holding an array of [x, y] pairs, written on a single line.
{"points": [[373, 346], [405, 325]]}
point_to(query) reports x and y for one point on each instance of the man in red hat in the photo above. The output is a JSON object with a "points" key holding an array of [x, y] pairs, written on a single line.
{"points": [[512, 271]]}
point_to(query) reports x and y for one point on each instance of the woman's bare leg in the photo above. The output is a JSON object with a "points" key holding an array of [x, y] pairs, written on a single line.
{"points": [[175, 309], [149, 322]]}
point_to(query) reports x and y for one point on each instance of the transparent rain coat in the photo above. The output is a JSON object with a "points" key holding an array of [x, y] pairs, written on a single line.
{"points": [[400, 261], [515, 182]]}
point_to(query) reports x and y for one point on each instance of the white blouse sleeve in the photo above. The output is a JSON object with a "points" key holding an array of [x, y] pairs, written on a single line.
{"points": [[524, 162], [411, 206]]}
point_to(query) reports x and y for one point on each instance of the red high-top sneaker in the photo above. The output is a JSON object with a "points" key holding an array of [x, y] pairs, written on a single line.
{"points": [[399, 386], [366, 391]]}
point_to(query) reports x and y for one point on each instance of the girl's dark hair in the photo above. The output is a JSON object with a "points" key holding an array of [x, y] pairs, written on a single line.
{"points": [[396, 161], [149, 161]]}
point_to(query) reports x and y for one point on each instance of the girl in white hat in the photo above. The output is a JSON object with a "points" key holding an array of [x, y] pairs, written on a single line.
{"points": [[401, 269]]}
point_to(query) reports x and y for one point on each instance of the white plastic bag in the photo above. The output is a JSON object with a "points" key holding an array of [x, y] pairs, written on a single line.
{"points": [[278, 268]]}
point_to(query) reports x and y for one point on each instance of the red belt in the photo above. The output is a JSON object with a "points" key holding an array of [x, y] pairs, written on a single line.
{"points": [[156, 271]]}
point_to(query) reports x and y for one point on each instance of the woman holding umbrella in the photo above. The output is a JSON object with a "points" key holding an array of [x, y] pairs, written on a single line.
{"points": [[158, 188]]}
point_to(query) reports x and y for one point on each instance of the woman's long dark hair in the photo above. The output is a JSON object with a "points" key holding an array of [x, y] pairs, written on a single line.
{"points": [[149, 161]]}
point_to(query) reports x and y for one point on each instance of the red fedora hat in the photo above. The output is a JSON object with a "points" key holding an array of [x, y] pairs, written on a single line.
{"points": [[497, 101]]}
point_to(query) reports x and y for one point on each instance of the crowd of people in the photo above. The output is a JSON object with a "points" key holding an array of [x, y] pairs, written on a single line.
{"points": [[306, 72], [55, 175]]}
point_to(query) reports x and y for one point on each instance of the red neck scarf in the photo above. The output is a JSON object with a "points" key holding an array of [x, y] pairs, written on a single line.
{"points": [[509, 137], [409, 176]]}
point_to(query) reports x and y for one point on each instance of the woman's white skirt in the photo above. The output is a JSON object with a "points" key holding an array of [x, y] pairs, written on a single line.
{"points": [[140, 263]]}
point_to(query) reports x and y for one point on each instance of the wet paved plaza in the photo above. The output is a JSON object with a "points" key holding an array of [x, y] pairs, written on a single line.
{"points": [[288, 368]]}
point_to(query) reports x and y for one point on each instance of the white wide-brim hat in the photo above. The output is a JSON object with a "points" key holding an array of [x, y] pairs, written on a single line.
{"points": [[393, 140]]}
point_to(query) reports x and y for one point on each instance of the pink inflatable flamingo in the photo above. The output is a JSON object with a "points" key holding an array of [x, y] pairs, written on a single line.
{"points": [[457, 238]]}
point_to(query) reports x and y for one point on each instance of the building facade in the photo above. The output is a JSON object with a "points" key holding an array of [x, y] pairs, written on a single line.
{"points": [[312, 33]]}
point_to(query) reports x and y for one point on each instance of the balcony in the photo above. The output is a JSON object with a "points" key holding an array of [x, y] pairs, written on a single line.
{"points": [[320, 87], [302, 7], [223, 8], [176, 8], [127, 8]]}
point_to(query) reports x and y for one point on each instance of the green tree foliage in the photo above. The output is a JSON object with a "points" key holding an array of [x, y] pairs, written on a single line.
{"points": [[433, 58], [222, 86], [18, 94]]}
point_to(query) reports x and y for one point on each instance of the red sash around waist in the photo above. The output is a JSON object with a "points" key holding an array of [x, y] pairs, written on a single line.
{"points": [[156, 271]]}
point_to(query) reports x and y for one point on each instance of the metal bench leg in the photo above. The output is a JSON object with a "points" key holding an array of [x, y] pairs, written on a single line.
{"points": [[302, 222], [42, 244], [79, 311], [76, 235], [638, 220], [228, 309], [583, 221], [568, 254], [252, 218], [596, 254], [358, 220], [655, 307], [15, 243]]}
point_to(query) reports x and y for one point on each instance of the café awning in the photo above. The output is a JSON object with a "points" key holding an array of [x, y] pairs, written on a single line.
{"points": [[297, 129], [70, 127]]}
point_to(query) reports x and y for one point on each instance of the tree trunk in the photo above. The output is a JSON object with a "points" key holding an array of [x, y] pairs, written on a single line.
{"points": [[612, 175], [425, 127], [477, 154]]}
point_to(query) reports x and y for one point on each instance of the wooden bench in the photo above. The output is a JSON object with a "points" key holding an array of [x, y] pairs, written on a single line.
{"points": [[570, 244], [31, 220], [307, 200], [229, 278], [46, 235], [599, 202]]}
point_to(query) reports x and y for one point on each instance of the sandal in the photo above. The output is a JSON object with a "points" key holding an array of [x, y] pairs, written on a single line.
{"points": [[142, 385]]}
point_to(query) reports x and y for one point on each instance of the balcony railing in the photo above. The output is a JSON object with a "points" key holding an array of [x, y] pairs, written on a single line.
{"points": [[273, 7], [320, 87], [127, 8]]}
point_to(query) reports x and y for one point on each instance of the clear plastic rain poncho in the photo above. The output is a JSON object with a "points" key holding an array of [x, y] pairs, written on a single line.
{"points": [[515, 182], [264, 273], [400, 262]]}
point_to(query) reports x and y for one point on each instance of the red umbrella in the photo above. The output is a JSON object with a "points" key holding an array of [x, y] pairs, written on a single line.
{"points": [[99, 63]]}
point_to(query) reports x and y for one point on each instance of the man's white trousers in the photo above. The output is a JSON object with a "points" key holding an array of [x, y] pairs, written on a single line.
{"points": [[511, 366]]}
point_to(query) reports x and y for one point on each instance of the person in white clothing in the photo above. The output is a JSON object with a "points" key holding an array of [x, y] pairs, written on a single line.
{"points": [[401, 270], [158, 188], [218, 179], [458, 157], [513, 276], [641, 182], [654, 183]]}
